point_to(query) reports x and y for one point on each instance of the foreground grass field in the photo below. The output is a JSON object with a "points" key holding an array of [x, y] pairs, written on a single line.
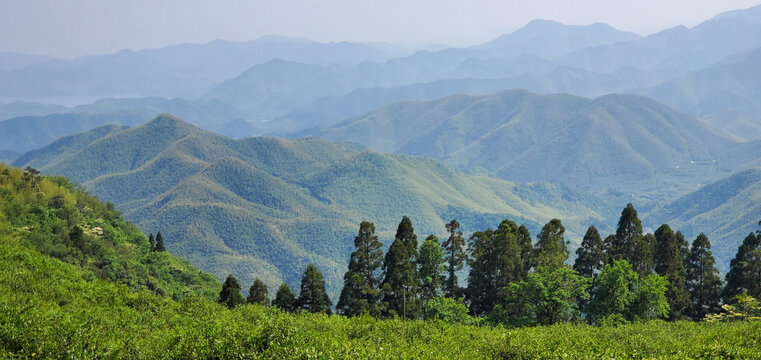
{"points": [[49, 309]]}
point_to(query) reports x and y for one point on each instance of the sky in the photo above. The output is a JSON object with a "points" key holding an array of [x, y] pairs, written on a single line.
{"points": [[69, 28]]}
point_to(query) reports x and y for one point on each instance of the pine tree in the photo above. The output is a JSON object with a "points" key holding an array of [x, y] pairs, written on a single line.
{"points": [[551, 249], [230, 295], [399, 283], [527, 249], [744, 270], [668, 263], [258, 293], [313, 297], [642, 258], [628, 231], [454, 248], [152, 242], [495, 263], [284, 298], [159, 243], [703, 281], [430, 269], [362, 280], [590, 256]]}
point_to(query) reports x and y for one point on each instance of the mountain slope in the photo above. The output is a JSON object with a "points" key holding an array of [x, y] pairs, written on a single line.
{"points": [[730, 86], [266, 206], [593, 144], [726, 210]]}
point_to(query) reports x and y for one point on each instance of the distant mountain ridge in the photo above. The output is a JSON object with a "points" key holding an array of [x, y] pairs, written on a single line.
{"points": [[603, 144], [267, 206]]}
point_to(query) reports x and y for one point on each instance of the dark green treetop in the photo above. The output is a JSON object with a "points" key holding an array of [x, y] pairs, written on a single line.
{"points": [[159, 242], [230, 295], [258, 293], [313, 297], [590, 256], [284, 298]]}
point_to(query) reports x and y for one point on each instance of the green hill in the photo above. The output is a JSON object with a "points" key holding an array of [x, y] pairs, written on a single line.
{"points": [[726, 211], [51, 309], [267, 206], [618, 146], [52, 217]]}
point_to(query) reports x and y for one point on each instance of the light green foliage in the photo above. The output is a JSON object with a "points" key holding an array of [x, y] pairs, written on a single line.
{"points": [[452, 311], [548, 296], [51, 310], [621, 293], [743, 308], [75, 227]]}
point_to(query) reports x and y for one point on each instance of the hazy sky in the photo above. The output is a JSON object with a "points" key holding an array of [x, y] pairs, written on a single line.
{"points": [[72, 28]]}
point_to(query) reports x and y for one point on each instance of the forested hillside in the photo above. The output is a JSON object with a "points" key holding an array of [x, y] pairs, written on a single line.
{"points": [[267, 206], [53, 217], [603, 145]]}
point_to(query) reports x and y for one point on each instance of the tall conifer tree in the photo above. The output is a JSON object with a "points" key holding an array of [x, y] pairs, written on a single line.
{"points": [[431, 269], [454, 248], [399, 283], [668, 263], [703, 281], [590, 256], [551, 249], [628, 231], [152, 242], [527, 248], [313, 297], [495, 263], [745, 270], [362, 280]]}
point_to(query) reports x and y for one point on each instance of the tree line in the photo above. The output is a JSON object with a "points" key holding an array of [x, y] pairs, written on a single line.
{"points": [[515, 281]]}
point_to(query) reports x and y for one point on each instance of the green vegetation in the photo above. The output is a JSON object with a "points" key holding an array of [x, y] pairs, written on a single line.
{"points": [[55, 304], [70, 225], [51, 309], [266, 207]]}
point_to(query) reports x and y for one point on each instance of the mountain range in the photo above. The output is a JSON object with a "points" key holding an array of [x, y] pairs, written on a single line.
{"points": [[267, 206], [616, 146]]}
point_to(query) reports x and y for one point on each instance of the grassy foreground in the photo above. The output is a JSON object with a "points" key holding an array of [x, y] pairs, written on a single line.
{"points": [[51, 309]]}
